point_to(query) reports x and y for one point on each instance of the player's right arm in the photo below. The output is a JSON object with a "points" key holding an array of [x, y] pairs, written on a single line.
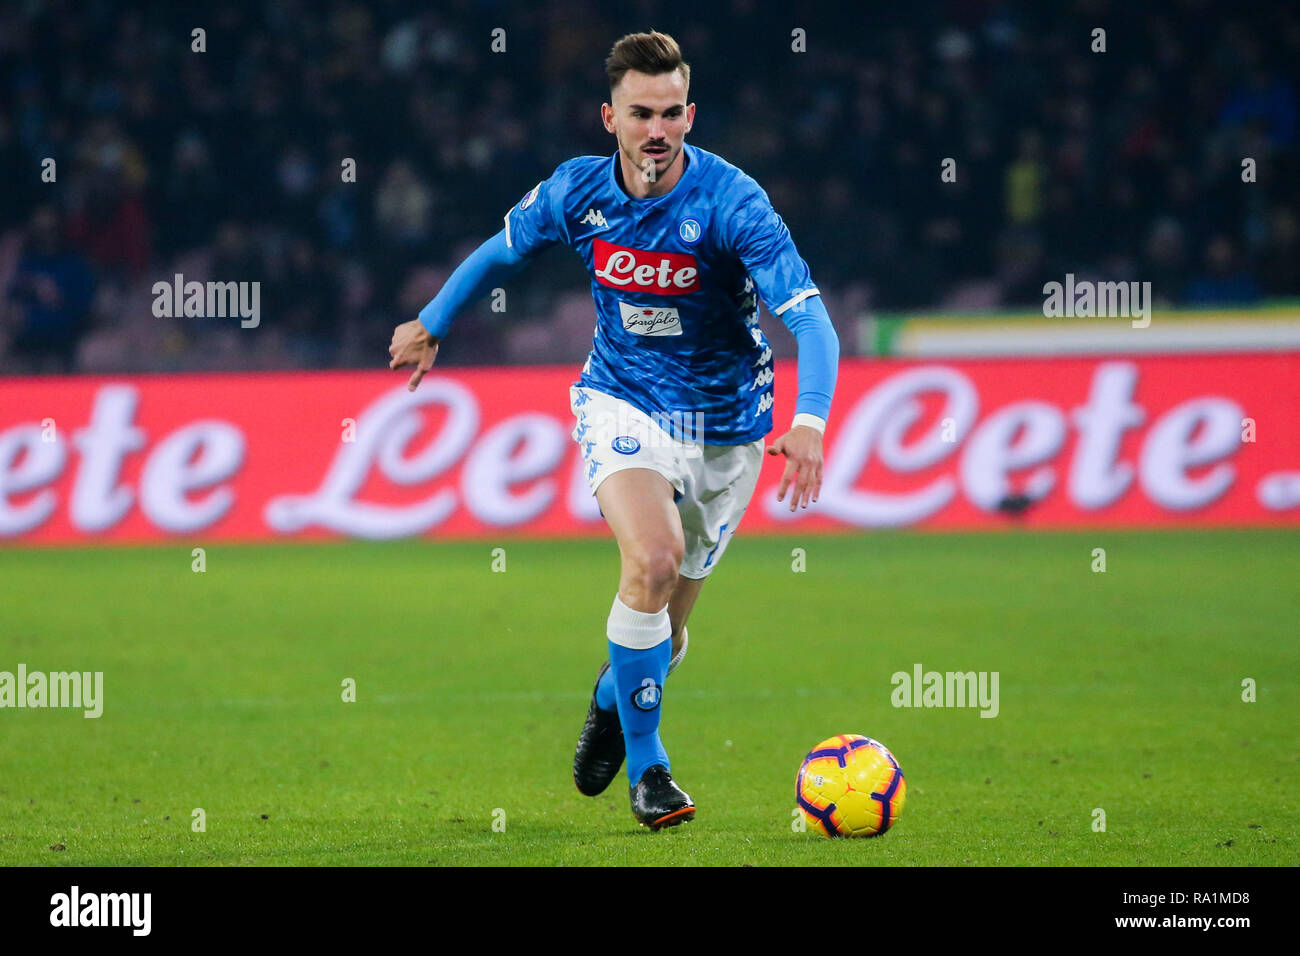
{"points": [[416, 342], [530, 226]]}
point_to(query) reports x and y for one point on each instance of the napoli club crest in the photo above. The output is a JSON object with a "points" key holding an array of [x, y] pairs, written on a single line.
{"points": [[626, 445], [648, 695], [689, 230]]}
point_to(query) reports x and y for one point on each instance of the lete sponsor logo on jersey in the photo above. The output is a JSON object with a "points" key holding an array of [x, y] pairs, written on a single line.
{"points": [[662, 273], [643, 320]]}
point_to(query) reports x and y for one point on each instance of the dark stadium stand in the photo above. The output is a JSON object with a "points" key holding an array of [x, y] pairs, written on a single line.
{"points": [[225, 164]]}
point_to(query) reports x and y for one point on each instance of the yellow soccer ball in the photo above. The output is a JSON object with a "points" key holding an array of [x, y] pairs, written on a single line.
{"points": [[850, 786]]}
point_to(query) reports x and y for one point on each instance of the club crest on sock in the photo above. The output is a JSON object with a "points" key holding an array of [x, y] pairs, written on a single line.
{"points": [[648, 695]]}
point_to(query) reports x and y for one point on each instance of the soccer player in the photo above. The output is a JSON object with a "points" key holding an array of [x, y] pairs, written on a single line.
{"points": [[675, 398]]}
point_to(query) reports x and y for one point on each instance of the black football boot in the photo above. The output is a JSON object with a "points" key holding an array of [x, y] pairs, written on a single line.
{"points": [[657, 802], [600, 751]]}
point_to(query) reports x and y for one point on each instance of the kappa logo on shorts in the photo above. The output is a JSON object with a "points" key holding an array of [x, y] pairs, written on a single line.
{"points": [[648, 695], [625, 445]]}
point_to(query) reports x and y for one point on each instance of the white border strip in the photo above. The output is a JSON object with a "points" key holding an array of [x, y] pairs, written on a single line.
{"points": [[796, 299], [1183, 336], [812, 421]]}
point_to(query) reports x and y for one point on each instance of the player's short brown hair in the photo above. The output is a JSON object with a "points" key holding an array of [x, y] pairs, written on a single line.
{"points": [[650, 53]]}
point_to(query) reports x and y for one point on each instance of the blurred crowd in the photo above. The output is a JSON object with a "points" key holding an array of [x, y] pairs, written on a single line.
{"points": [[228, 164]]}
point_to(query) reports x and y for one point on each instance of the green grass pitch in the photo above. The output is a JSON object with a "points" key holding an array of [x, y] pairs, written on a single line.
{"points": [[224, 691]]}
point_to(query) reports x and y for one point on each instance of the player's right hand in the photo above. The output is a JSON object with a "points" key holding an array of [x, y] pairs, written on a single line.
{"points": [[413, 345]]}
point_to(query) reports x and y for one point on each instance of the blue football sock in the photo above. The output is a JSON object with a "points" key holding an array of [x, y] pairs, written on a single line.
{"points": [[638, 690], [605, 691], [605, 686]]}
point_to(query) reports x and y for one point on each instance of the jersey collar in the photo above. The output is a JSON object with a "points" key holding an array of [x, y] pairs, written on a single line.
{"points": [[692, 161]]}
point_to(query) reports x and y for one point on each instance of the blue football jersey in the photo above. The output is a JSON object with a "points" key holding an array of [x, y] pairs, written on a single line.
{"points": [[674, 278]]}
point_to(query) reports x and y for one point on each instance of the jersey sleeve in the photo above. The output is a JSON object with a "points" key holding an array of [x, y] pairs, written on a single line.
{"points": [[533, 223], [760, 238]]}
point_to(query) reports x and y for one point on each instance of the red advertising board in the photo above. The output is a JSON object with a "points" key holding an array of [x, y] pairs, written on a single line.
{"points": [[1110, 442]]}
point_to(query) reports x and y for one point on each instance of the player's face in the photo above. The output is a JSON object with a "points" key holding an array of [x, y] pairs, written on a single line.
{"points": [[650, 117]]}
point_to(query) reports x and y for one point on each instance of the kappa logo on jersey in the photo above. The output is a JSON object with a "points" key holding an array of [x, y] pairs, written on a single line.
{"points": [[661, 273], [528, 200], [594, 217], [650, 321]]}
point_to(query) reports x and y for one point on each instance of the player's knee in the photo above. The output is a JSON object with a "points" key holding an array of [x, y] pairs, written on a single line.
{"points": [[652, 570], [659, 566]]}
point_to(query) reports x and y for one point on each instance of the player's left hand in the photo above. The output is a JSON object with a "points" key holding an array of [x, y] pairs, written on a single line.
{"points": [[802, 447], [413, 345]]}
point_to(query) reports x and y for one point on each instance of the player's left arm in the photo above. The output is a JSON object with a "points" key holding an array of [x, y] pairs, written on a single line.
{"points": [[819, 354], [783, 280]]}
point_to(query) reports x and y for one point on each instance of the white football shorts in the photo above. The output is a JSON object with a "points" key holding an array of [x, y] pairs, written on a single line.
{"points": [[712, 483]]}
